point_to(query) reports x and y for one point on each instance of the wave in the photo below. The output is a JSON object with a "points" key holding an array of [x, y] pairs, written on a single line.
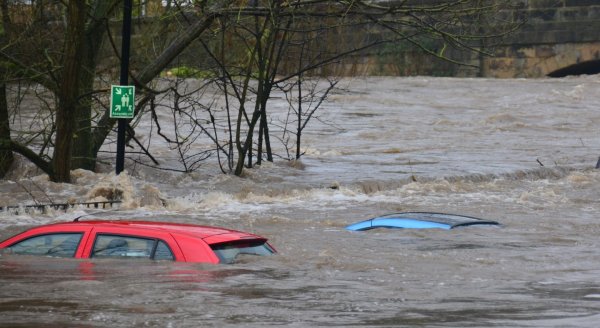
{"points": [[452, 183]]}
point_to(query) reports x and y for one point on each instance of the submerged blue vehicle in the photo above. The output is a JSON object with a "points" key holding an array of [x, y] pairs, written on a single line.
{"points": [[419, 220]]}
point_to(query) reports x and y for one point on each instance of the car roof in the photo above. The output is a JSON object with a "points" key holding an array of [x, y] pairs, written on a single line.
{"points": [[419, 220], [198, 231]]}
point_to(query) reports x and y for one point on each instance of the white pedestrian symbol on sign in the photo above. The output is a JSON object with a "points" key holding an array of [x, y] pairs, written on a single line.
{"points": [[125, 101]]}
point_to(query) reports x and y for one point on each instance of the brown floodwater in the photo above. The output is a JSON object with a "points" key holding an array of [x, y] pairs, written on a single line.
{"points": [[520, 152]]}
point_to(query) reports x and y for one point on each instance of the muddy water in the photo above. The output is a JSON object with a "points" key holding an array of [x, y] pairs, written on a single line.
{"points": [[521, 152]]}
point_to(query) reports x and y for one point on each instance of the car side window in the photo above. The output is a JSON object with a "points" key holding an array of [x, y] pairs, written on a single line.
{"points": [[163, 252], [115, 246], [58, 244]]}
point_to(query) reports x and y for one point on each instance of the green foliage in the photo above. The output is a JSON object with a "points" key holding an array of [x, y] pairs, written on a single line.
{"points": [[186, 72]]}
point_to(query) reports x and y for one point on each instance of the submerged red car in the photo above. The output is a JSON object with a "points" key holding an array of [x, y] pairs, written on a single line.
{"points": [[137, 239]]}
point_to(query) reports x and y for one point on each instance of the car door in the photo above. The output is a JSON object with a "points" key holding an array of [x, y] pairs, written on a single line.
{"points": [[55, 240], [131, 243]]}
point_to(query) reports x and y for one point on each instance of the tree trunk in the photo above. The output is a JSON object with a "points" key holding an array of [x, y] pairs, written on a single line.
{"points": [[84, 156], [265, 126], [299, 117], [83, 142], [6, 155], [244, 150], [69, 91]]}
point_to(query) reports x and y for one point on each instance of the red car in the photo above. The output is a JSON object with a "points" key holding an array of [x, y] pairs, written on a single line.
{"points": [[137, 239]]}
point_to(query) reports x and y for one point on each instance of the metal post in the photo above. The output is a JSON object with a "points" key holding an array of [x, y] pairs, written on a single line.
{"points": [[125, 45]]}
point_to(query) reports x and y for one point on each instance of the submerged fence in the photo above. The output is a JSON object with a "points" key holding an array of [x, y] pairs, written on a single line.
{"points": [[43, 208]]}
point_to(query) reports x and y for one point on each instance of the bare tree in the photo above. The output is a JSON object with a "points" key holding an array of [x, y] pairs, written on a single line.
{"points": [[305, 97], [252, 49], [281, 41]]}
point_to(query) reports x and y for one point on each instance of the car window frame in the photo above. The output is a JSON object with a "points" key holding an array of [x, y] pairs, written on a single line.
{"points": [[152, 256], [82, 237]]}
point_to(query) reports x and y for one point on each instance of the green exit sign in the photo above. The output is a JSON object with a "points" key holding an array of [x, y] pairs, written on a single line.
{"points": [[122, 101]]}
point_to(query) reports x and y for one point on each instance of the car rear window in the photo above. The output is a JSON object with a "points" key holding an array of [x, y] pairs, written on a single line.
{"points": [[231, 251]]}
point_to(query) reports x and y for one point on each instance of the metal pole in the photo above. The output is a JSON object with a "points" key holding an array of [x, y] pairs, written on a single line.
{"points": [[124, 80]]}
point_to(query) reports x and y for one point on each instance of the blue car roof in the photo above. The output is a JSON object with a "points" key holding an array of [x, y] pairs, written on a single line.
{"points": [[419, 220]]}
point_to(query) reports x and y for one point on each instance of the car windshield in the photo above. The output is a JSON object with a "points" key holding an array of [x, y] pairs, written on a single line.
{"points": [[229, 252]]}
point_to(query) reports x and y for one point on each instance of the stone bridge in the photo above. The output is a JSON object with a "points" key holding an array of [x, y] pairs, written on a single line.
{"points": [[561, 37]]}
